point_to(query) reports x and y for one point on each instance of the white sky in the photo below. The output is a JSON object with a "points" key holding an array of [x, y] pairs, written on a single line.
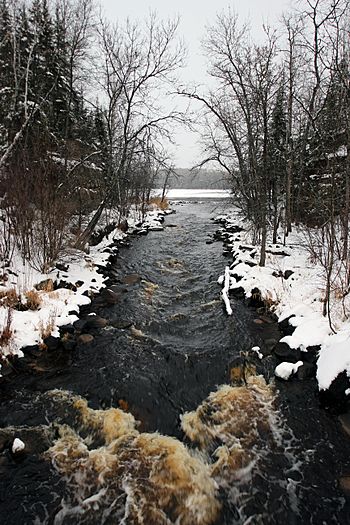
{"points": [[195, 16]]}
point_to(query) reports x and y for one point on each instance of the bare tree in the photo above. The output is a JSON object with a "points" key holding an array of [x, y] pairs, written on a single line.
{"points": [[140, 64], [241, 104]]}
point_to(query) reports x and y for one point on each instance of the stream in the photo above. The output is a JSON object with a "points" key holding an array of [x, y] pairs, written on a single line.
{"points": [[156, 421]]}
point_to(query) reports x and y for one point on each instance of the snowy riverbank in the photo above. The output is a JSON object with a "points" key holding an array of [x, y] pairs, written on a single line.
{"points": [[293, 287], [35, 305]]}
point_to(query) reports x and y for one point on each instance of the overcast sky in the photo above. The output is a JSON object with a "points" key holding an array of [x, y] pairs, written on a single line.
{"points": [[195, 16]]}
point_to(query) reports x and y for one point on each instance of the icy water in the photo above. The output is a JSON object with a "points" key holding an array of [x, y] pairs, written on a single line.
{"points": [[152, 422]]}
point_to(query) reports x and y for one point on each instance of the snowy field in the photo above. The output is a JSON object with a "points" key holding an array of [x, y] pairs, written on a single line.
{"points": [[297, 295], [175, 194]]}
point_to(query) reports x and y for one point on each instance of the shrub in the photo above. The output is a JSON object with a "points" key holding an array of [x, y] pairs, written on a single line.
{"points": [[9, 298], [157, 201], [6, 333], [33, 299]]}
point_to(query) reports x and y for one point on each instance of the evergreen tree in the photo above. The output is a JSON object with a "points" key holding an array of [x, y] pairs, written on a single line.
{"points": [[7, 80]]}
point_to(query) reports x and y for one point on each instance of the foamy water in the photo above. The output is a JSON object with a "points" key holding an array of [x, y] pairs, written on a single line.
{"points": [[116, 474]]}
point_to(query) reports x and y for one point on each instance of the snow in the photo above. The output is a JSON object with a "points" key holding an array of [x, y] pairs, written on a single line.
{"points": [[310, 332], [334, 359], [225, 291], [57, 308], [17, 446], [300, 296], [286, 370], [256, 349], [182, 193]]}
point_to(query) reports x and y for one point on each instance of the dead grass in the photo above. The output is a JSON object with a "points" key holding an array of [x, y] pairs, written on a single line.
{"points": [[7, 332], [10, 298], [46, 328], [33, 299], [157, 201], [46, 286]]}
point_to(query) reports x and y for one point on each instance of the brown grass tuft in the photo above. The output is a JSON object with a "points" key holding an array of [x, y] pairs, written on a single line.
{"points": [[157, 201], [46, 329], [33, 299], [9, 298], [6, 333]]}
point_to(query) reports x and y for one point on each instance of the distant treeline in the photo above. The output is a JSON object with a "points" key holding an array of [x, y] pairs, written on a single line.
{"points": [[199, 179]]}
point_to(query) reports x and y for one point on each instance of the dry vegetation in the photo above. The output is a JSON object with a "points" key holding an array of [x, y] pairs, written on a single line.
{"points": [[157, 201]]}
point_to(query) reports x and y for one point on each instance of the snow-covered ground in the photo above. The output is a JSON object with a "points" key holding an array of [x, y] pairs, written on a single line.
{"points": [[195, 194], [43, 303], [299, 293]]}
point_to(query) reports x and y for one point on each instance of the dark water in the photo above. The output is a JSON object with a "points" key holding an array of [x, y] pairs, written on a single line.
{"points": [[180, 347]]}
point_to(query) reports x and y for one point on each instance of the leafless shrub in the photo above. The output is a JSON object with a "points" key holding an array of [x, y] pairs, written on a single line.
{"points": [[6, 332], [39, 209], [324, 247], [10, 298], [46, 327]]}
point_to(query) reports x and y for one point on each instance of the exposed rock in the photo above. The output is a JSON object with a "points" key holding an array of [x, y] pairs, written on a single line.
{"points": [[334, 398], [255, 301], [119, 289], [123, 226], [46, 285], [156, 228], [288, 273], [285, 353], [95, 322], [270, 343], [137, 333], [109, 297], [344, 484], [79, 325], [51, 342], [233, 228], [131, 279], [85, 339], [286, 327], [66, 329], [278, 274], [345, 422], [237, 292], [306, 371], [68, 342], [33, 351], [311, 355], [62, 267], [66, 285], [121, 325]]}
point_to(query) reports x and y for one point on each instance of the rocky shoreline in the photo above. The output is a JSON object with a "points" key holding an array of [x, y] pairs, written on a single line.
{"points": [[56, 350], [300, 364]]}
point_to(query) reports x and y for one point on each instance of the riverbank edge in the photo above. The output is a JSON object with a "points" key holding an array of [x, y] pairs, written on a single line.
{"points": [[73, 329], [297, 364]]}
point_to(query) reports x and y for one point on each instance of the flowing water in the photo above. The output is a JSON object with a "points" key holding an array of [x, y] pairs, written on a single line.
{"points": [[155, 422]]}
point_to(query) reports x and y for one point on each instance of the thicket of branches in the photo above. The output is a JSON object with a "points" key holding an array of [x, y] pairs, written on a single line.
{"points": [[277, 118], [62, 154]]}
